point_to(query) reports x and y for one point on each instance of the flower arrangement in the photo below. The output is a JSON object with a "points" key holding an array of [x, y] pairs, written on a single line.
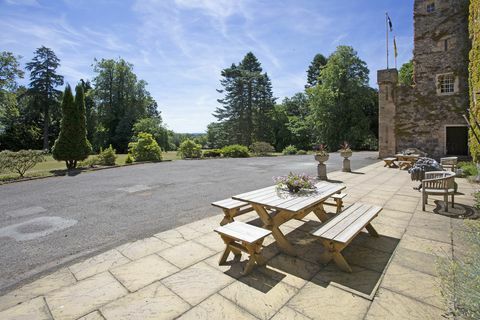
{"points": [[345, 146], [295, 182], [322, 150]]}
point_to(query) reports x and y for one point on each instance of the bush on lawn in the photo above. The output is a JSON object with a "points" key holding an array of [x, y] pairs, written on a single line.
{"points": [[129, 159], [90, 162], [145, 148], [20, 161], [301, 152], [261, 148], [235, 151], [189, 149], [213, 153], [468, 168], [107, 157], [289, 150]]}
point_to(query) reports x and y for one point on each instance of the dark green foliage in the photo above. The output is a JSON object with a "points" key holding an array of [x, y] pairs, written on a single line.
{"points": [[405, 75], [247, 105], [217, 134], [155, 127], [107, 156], [189, 149], [343, 106], [72, 144], [313, 72], [301, 152], [235, 151], [121, 100], [213, 153], [20, 161], [469, 168], [262, 148], [290, 150], [129, 159], [43, 81], [9, 70], [145, 148]]}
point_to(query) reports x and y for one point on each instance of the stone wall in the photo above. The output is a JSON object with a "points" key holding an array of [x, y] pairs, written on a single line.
{"points": [[441, 46]]}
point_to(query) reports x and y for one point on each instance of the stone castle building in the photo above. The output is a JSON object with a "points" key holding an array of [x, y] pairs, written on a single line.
{"points": [[428, 115]]}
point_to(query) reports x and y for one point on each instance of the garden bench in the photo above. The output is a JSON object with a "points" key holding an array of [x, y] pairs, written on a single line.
{"points": [[338, 201], [242, 237], [339, 231], [232, 208], [449, 163], [438, 183], [405, 164], [390, 162]]}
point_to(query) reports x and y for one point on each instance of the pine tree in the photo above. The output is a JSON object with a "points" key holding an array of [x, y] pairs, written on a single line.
{"points": [[72, 144], [246, 107], [313, 72], [43, 81]]}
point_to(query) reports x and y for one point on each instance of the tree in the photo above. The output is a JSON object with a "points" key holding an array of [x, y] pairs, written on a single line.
{"points": [[72, 144], [313, 72], [248, 102], [90, 113], [145, 148], [121, 100], [43, 81], [405, 75], [155, 127], [9, 70], [340, 100]]}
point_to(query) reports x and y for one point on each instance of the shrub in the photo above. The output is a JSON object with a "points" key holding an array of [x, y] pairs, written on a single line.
{"points": [[289, 150], [468, 168], [460, 277], [145, 149], [235, 151], [261, 148], [189, 149], [129, 159], [107, 157], [213, 153], [90, 162], [21, 161], [301, 152]]}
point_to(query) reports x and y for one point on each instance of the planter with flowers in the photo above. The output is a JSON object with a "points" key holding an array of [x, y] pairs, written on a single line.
{"points": [[346, 153], [322, 156], [296, 182]]}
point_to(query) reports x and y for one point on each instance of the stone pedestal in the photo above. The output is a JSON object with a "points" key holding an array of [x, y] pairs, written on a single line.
{"points": [[322, 171], [346, 165]]}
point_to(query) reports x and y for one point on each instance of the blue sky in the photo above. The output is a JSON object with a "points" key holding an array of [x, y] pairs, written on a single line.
{"points": [[180, 46]]}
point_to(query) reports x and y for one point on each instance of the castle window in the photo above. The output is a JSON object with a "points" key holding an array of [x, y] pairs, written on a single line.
{"points": [[446, 83], [431, 7]]}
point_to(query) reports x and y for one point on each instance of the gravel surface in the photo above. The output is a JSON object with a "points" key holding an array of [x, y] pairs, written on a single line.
{"points": [[50, 222]]}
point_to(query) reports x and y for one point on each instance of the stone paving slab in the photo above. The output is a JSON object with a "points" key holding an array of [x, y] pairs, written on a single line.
{"points": [[175, 273]]}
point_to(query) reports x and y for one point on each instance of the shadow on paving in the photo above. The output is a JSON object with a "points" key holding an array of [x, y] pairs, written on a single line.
{"points": [[368, 257], [459, 211]]}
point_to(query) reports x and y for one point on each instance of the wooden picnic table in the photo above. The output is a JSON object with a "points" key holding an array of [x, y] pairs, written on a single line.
{"points": [[275, 206], [406, 161]]}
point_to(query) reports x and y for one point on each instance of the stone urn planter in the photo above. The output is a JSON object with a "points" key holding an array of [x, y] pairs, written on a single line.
{"points": [[321, 167], [345, 154]]}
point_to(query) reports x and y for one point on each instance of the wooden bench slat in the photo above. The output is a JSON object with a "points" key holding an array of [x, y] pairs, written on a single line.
{"points": [[284, 203], [348, 233], [308, 201], [332, 222], [229, 204], [339, 196], [248, 194], [347, 219], [243, 232]]}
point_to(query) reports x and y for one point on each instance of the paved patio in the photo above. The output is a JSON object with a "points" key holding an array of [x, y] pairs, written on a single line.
{"points": [[175, 274]]}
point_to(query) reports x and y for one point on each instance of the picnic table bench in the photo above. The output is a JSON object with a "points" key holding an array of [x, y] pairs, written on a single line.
{"points": [[242, 237], [275, 207], [339, 231], [390, 162]]}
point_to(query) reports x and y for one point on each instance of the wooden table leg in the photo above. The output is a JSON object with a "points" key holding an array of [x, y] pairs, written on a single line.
{"points": [[334, 252], [228, 218], [371, 230], [273, 225], [320, 213], [228, 249]]}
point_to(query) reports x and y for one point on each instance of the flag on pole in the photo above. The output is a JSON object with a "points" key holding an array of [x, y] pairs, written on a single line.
{"points": [[390, 23], [395, 52]]}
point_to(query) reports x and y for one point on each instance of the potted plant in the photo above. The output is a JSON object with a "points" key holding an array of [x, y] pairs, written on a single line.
{"points": [[345, 150], [322, 153], [295, 182]]}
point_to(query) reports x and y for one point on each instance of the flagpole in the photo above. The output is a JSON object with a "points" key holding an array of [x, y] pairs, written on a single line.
{"points": [[386, 33]]}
